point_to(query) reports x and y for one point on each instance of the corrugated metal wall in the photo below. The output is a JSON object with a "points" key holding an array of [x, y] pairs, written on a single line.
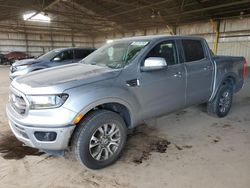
{"points": [[99, 41], [234, 35], [38, 42], [236, 38]]}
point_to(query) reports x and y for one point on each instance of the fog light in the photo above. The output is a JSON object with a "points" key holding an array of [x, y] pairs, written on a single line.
{"points": [[45, 136]]}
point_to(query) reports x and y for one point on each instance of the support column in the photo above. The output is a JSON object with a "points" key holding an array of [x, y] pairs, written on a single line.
{"points": [[72, 38], [171, 30], [26, 39], [51, 39], [93, 42], [174, 29], [216, 28]]}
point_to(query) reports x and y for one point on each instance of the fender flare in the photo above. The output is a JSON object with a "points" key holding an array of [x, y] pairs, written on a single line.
{"points": [[106, 100], [220, 82], [37, 68]]}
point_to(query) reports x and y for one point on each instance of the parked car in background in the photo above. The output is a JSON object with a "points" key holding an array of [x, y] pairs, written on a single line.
{"points": [[15, 55], [53, 58], [89, 106]]}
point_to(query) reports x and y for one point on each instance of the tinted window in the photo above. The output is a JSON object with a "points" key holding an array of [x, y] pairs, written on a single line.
{"points": [[80, 54], [193, 50], [166, 50], [65, 55]]}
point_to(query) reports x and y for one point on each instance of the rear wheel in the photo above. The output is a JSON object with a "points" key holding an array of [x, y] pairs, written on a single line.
{"points": [[221, 104], [99, 139]]}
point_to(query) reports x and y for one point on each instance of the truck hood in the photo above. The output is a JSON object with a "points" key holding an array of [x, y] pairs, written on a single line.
{"points": [[25, 62], [56, 80]]}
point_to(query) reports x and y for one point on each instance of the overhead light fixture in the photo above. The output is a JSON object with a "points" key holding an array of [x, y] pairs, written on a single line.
{"points": [[155, 14], [241, 15], [33, 16]]}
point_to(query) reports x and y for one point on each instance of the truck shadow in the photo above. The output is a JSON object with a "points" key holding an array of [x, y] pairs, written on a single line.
{"points": [[141, 143], [11, 148]]}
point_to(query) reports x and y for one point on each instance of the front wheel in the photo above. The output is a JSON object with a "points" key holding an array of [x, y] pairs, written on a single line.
{"points": [[221, 104], [99, 139]]}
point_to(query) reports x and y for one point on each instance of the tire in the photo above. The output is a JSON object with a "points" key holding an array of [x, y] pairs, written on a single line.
{"points": [[89, 128], [221, 104]]}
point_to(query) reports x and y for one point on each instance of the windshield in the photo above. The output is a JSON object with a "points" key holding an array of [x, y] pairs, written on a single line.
{"points": [[115, 55], [48, 56]]}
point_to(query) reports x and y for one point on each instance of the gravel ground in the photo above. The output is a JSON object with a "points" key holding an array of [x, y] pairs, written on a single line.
{"points": [[184, 149]]}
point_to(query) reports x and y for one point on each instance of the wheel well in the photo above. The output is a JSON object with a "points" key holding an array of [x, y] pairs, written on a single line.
{"points": [[229, 80], [117, 108], [37, 69]]}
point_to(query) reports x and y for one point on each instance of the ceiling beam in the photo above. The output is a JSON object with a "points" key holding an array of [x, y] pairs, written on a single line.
{"points": [[223, 5], [118, 2], [44, 8], [139, 8], [207, 9], [91, 6]]}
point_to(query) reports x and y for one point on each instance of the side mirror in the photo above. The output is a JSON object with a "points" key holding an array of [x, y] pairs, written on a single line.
{"points": [[154, 63], [57, 59]]}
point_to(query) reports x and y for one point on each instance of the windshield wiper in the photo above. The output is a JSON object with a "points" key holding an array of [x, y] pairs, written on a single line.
{"points": [[93, 63], [113, 66]]}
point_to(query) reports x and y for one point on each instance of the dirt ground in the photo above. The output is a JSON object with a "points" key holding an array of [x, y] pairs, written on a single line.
{"points": [[185, 149]]}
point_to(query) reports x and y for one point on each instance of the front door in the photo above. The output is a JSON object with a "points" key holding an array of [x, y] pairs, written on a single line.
{"points": [[63, 58], [162, 91]]}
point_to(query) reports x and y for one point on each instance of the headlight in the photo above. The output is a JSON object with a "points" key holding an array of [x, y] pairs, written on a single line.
{"points": [[22, 67], [46, 101]]}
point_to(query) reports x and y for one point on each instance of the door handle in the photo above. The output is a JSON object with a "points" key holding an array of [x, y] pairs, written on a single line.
{"points": [[178, 75], [207, 68], [133, 82]]}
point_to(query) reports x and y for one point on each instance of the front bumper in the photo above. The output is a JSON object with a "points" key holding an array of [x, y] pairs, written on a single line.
{"points": [[26, 134]]}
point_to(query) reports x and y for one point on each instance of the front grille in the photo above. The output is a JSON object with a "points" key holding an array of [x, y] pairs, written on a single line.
{"points": [[18, 102], [13, 69]]}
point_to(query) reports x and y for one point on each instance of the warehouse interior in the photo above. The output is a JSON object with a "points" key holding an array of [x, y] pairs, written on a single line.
{"points": [[225, 24], [187, 148]]}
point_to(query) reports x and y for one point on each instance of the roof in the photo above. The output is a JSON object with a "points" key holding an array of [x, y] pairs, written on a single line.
{"points": [[95, 17], [74, 48], [157, 37]]}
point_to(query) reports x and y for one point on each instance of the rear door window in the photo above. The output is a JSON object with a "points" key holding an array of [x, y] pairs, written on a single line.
{"points": [[80, 54], [193, 50]]}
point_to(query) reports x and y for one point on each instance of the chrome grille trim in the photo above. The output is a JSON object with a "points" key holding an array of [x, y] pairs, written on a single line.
{"points": [[18, 102], [13, 69]]}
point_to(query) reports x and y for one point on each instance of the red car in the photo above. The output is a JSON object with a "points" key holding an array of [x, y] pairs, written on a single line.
{"points": [[12, 56]]}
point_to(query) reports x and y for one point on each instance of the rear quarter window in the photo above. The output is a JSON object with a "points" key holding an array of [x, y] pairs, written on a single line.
{"points": [[193, 50]]}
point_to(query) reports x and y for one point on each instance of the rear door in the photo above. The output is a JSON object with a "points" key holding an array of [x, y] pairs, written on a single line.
{"points": [[199, 71], [162, 91]]}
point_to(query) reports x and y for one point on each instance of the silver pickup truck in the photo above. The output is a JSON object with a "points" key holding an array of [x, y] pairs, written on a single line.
{"points": [[89, 106]]}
